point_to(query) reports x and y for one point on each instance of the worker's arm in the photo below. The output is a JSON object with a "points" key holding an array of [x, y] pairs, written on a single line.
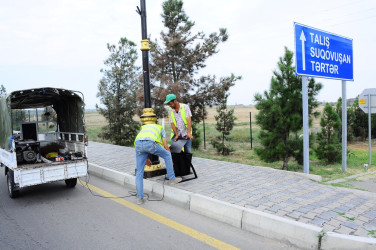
{"points": [[175, 131], [189, 129], [165, 145]]}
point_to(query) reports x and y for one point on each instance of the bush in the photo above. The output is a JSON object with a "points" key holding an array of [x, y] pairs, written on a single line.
{"points": [[196, 132], [223, 149], [329, 146]]}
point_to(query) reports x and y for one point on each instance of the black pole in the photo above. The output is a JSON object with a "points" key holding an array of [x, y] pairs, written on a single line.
{"points": [[145, 66], [145, 55], [250, 126], [203, 111]]}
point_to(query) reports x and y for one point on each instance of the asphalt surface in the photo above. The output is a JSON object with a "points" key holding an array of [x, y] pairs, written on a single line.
{"points": [[52, 216], [285, 194]]}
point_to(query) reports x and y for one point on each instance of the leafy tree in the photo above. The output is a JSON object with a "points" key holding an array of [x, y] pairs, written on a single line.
{"points": [[177, 59], [339, 107], [329, 145], [225, 123], [3, 91], [350, 120], [360, 124], [280, 114], [118, 92]]}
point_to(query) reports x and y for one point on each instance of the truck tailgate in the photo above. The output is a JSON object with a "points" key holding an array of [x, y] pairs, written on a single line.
{"points": [[34, 176]]}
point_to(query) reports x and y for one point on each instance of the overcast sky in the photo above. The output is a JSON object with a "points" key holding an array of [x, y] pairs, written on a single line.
{"points": [[62, 43]]}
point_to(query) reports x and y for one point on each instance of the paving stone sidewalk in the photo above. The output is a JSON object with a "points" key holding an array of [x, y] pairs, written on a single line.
{"points": [[277, 192]]}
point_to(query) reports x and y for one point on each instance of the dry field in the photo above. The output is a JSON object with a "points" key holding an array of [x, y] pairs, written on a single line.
{"points": [[94, 119], [241, 112]]}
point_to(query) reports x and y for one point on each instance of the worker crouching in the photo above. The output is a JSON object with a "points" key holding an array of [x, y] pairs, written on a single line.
{"points": [[151, 140]]}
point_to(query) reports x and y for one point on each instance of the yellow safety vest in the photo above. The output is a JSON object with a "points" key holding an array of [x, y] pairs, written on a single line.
{"points": [[152, 131], [183, 116]]}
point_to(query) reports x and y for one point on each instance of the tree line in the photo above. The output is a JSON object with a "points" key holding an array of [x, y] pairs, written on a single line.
{"points": [[176, 60]]}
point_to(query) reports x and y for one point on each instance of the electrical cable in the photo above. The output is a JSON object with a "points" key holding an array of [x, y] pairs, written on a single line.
{"points": [[131, 193]]}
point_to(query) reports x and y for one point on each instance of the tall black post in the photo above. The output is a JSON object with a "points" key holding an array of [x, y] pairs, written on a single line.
{"points": [[203, 115], [145, 55], [250, 126], [145, 73]]}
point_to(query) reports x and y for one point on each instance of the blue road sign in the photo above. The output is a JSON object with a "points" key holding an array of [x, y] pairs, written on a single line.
{"points": [[322, 54]]}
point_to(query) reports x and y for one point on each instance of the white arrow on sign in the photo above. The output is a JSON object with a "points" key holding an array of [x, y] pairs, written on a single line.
{"points": [[303, 39]]}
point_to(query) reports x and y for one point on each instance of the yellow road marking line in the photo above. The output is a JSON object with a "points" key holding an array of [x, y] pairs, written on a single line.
{"points": [[161, 219]]}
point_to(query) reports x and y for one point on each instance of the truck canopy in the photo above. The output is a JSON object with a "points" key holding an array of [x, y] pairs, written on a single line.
{"points": [[69, 107], [5, 124]]}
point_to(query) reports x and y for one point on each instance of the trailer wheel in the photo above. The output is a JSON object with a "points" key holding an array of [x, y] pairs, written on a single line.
{"points": [[71, 183], [12, 191]]}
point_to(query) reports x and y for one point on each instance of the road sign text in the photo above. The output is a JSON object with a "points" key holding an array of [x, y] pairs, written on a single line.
{"points": [[322, 54]]}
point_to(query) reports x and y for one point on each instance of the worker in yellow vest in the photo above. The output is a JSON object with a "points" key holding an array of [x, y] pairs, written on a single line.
{"points": [[152, 140], [180, 120]]}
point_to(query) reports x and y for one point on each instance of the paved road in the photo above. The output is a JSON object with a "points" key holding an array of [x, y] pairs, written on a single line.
{"points": [[285, 194], [52, 216]]}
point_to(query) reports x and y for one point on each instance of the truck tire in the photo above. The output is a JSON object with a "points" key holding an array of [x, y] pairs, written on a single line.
{"points": [[71, 183], [12, 191]]}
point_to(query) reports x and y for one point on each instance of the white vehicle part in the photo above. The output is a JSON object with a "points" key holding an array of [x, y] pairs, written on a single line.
{"points": [[24, 177], [8, 158]]}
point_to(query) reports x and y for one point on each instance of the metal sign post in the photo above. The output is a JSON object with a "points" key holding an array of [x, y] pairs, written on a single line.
{"points": [[250, 128], [367, 103], [369, 130], [305, 124], [344, 127], [326, 55]]}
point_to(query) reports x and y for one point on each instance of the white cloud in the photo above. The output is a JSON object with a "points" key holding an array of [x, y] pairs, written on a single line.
{"points": [[62, 43]]}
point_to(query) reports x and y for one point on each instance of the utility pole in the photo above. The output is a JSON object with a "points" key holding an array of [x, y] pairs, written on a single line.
{"points": [[148, 116], [145, 54]]}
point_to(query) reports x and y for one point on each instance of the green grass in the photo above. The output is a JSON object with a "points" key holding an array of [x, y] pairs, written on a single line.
{"points": [[244, 154], [93, 131], [240, 140], [343, 215]]}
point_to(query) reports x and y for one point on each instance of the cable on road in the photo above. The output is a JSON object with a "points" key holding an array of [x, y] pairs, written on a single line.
{"points": [[130, 193]]}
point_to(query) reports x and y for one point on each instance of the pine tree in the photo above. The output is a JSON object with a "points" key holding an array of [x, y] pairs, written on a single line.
{"points": [[350, 119], [329, 145], [360, 126], [3, 91], [280, 114], [176, 61], [225, 123], [118, 92]]}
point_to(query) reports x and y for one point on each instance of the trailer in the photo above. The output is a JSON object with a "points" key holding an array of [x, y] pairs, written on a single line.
{"points": [[42, 137]]}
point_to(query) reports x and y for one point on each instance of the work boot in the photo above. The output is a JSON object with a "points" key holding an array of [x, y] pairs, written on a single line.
{"points": [[140, 201], [175, 181]]}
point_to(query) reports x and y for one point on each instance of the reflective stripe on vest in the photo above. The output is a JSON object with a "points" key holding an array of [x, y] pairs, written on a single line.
{"points": [[183, 116], [152, 131]]}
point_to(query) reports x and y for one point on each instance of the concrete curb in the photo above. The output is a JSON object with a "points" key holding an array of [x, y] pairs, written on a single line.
{"points": [[271, 226], [312, 177], [340, 241], [302, 235], [106, 173], [349, 178], [218, 210], [180, 197]]}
